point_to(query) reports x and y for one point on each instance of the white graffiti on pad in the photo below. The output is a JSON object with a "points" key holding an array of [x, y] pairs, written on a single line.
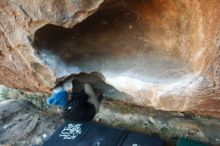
{"points": [[71, 131], [136, 144]]}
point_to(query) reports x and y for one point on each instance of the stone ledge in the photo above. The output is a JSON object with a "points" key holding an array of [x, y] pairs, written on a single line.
{"points": [[167, 125]]}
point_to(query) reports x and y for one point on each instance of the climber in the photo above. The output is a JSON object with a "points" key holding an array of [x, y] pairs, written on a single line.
{"points": [[78, 101]]}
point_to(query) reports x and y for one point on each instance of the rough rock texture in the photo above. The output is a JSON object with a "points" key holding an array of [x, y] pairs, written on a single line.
{"points": [[22, 124], [20, 67], [164, 54], [167, 125]]}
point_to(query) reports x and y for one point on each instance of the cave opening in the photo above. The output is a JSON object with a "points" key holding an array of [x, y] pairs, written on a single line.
{"points": [[135, 43]]}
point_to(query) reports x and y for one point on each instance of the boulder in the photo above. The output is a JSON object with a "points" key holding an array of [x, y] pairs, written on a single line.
{"points": [[161, 54]]}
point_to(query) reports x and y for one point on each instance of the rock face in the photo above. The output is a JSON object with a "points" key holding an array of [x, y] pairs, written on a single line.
{"points": [[165, 124], [22, 124], [163, 54], [20, 66]]}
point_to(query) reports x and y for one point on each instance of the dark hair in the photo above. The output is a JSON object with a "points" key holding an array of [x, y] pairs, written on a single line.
{"points": [[77, 86]]}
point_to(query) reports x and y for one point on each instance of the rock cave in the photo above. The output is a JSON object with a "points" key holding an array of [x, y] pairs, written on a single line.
{"points": [[157, 54], [152, 51]]}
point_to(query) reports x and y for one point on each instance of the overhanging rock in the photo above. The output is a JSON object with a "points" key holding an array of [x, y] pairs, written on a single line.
{"points": [[163, 54]]}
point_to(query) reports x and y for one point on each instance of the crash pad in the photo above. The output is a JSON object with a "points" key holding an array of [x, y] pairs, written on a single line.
{"points": [[189, 142], [93, 134], [139, 139]]}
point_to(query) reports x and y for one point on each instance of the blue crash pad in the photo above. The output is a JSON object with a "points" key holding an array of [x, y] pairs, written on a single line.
{"points": [[189, 142], [92, 134], [138, 139]]}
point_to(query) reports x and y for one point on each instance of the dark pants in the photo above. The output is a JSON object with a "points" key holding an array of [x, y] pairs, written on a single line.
{"points": [[79, 112]]}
